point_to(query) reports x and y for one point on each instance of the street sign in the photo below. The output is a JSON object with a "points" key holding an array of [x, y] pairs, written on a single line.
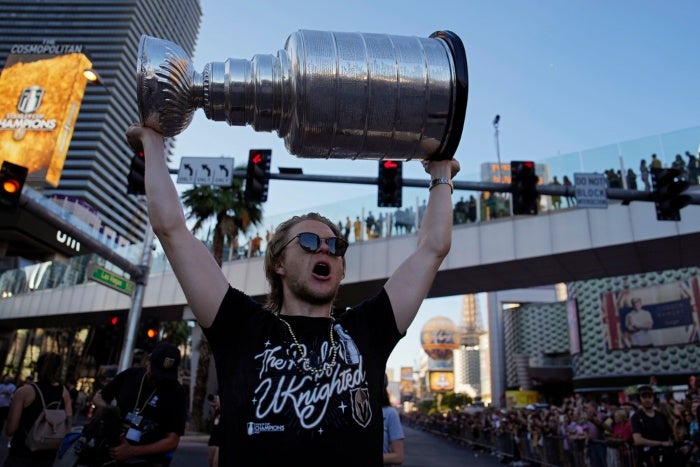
{"points": [[110, 279], [591, 190], [206, 171]]}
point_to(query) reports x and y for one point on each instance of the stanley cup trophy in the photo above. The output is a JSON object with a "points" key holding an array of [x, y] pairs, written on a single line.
{"points": [[327, 94]]}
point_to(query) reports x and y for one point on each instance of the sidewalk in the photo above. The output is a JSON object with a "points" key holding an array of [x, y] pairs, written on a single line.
{"points": [[195, 437]]}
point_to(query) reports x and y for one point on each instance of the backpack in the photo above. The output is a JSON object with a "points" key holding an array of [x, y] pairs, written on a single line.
{"points": [[49, 428]]}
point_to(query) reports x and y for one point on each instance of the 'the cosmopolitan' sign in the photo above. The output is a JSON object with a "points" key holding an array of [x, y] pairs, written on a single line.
{"points": [[47, 47], [39, 104]]}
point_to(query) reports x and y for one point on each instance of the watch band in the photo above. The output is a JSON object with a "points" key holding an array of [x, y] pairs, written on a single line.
{"points": [[441, 181]]}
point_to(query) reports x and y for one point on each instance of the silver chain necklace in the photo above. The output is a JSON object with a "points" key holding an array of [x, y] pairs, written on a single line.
{"points": [[306, 364]]}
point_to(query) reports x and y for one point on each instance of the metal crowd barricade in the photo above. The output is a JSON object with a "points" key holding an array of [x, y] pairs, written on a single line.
{"points": [[622, 455], [526, 450]]}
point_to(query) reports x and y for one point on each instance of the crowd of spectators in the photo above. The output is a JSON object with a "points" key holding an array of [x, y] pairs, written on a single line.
{"points": [[582, 431], [689, 170]]}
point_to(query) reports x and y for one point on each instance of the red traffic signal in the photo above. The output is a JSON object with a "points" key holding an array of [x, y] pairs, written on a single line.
{"points": [[114, 331], [669, 185], [12, 178], [137, 173], [523, 187], [257, 175], [390, 184]]}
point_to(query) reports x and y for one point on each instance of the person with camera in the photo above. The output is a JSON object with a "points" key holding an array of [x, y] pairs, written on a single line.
{"points": [[651, 432], [152, 405]]}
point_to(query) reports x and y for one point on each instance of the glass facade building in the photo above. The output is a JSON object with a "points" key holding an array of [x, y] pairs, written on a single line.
{"points": [[107, 32]]}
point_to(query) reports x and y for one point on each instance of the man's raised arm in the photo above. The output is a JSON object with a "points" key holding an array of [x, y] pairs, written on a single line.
{"points": [[201, 279], [409, 284]]}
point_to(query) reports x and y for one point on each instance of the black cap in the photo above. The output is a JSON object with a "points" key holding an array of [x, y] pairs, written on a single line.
{"points": [[165, 359], [645, 389]]}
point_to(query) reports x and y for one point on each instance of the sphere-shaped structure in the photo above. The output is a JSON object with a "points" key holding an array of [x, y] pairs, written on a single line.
{"points": [[439, 337]]}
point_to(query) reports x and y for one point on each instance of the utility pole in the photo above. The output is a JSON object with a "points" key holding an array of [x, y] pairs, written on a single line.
{"points": [[134, 317], [33, 202]]}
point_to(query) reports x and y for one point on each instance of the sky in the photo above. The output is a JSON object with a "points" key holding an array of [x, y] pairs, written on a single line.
{"points": [[563, 76]]}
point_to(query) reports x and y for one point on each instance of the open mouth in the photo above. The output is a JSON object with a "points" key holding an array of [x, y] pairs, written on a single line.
{"points": [[322, 269]]}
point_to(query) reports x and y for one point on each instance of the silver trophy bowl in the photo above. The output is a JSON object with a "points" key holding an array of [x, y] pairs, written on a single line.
{"points": [[327, 94]]}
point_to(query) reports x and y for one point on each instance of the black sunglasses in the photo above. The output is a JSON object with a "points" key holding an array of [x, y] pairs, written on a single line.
{"points": [[311, 243]]}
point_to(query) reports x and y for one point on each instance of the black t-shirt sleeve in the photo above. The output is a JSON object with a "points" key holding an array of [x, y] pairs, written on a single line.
{"points": [[111, 389], [377, 316], [636, 426], [230, 321]]}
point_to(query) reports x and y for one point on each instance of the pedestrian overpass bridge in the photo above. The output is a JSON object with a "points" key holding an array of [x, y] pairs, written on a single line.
{"points": [[502, 254]]}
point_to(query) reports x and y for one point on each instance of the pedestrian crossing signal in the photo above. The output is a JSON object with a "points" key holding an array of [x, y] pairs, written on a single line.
{"points": [[257, 175]]}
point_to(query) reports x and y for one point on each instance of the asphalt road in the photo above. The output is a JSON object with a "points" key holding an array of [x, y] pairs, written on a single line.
{"points": [[422, 450]]}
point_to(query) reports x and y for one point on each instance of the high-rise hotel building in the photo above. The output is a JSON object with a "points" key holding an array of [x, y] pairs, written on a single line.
{"points": [[107, 32]]}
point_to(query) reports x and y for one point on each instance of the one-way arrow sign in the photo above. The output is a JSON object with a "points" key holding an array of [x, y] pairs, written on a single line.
{"points": [[206, 170]]}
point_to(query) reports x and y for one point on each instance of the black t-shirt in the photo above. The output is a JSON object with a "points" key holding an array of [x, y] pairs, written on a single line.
{"points": [[162, 408], [278, 413], [655, 428]]}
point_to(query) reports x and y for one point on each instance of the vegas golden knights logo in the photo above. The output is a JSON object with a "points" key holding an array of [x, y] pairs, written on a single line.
{"points": [[30, 100], [361, 410]]}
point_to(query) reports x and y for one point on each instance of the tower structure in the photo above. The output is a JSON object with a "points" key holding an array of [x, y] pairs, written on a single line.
{"points": [[468, 359], [107, 32]]}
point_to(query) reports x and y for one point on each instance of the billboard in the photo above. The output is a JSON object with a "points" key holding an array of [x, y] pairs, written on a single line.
{"points": [[442, 381], [665, 314], [408, 390], [518, 399], [494, 172], [39, 105]]}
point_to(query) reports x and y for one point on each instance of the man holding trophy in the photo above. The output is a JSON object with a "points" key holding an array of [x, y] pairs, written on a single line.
{"points": [[301, 382]]}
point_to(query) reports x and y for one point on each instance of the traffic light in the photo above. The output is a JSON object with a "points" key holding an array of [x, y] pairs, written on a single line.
{"points": [[390, 184], [115, 328], [668, 184], [137, 174], [12, 178], [523, 186], [151, 334], [257, 175]]}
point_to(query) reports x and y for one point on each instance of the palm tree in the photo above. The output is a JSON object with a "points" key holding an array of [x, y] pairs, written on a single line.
{"points": [[233, 215]]}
